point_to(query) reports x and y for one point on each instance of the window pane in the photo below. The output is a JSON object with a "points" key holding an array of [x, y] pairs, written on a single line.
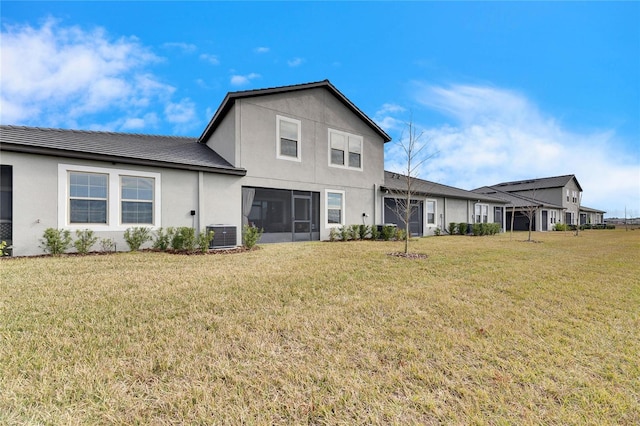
{"points": [[88, 211], [338, 141], [354, 160], [137, 188], [334, 216], [288, 130], [88, 185], [337, 156], [431, 218], [355, 145], [136, 212], [334, 200], [288, 147]]}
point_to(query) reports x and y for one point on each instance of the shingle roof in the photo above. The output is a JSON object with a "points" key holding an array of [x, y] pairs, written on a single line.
{"points": [[151, 150], [397, 182], [514, 199], [540, 183], [231, 97]]}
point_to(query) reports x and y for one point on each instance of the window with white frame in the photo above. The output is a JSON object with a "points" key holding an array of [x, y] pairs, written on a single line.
{"points": [[345, 150], [567, 195], [482, 213], [431, 212], [107, 199], [288, 138], [574, 196], [553, 216], [335, 208], [88, 196], [137, 200]]}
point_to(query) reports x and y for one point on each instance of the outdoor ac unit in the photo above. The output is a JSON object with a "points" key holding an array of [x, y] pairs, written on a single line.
{"points": [[224, 236]]}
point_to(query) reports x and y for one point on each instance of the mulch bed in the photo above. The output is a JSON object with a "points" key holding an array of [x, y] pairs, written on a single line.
{"points": [[408, 255]]}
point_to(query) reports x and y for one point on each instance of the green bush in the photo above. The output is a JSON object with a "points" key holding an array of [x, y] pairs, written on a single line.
{"points": [[162, 240], [55, 241], [375, 234], [437, 232], [462, 228], [251, 236], [452, 228], [204, 239], [106, 245], [354, 232], [135, 237], [560, 227], [363, 231], [333, 234], [388, 232], [84, 240], [4, 251], [345, 232], [476, 229], [401, 234], [183, 238]]}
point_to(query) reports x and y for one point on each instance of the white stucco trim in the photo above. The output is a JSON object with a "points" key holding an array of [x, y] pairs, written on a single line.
{"points": [[113, 199]]}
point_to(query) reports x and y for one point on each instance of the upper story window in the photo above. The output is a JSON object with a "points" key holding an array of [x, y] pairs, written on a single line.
{"points": [[574, 196], [567, 195], [288, 138], [345, 150]]}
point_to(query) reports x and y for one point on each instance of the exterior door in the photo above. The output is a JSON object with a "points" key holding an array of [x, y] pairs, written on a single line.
{"points": [[6, 204], [545, 220], [302, 217]]}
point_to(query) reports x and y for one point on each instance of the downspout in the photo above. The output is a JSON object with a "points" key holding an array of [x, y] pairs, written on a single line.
{"points": [[374, 219], [201, 223]]}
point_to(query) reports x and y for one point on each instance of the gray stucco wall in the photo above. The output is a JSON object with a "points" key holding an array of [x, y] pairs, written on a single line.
{"points": [[36, 199]]}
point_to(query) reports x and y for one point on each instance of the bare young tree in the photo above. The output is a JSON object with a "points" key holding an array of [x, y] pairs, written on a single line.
{"points": [[530, 213], [415, 155]]}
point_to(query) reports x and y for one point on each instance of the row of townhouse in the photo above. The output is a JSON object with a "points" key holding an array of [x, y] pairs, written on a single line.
{"points": [[295, 160]]}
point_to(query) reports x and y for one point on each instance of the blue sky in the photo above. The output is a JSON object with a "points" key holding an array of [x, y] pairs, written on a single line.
{"points": [[502, 90]]}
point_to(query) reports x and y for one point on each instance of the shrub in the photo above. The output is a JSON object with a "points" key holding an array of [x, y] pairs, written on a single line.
{"points": [[452, 228], [251, 236], [437, 232], [476, 229], [344, 233], [85, 240], [55, 241], [333, 234], [560, 227], [4, 251], [204, 239], [136, 237], [375, 234], [401, 234], [493, 228], [106, 245], [388, 232], [363, 231], [462, 228], [354, 232], [183, 238], [163, 239]]}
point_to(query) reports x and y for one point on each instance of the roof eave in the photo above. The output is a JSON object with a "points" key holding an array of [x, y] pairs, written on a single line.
{"points": [[27, 149]]}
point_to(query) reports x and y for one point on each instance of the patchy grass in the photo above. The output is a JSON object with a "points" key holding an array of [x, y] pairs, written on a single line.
{"points": [[483, 331]]}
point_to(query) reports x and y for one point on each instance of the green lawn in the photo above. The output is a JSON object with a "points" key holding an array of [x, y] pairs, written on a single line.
{"points": [[486, 330]]}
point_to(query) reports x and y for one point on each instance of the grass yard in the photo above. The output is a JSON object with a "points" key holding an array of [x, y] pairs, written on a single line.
{"points": [[484, 331]]}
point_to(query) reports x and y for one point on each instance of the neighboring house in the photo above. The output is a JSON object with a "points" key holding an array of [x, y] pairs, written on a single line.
{"points": [[295, 160], [551, 200], [437, 205]]}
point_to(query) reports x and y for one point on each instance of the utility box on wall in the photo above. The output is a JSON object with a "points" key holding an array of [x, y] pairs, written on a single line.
{"points": [[224, 236]]}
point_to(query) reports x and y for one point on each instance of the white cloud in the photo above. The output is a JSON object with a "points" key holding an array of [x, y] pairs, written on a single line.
{"points": [[242, 80], [499, 135], [185, 47], [183, 112], [295, 62], [212, 59], [261, 49], [54, 75]]}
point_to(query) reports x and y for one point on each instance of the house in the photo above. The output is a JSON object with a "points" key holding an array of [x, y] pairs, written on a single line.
{"points": [[547, 201], [294, 160], [437, 205]]}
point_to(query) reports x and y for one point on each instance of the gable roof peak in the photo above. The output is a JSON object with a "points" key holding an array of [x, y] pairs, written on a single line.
{"points": [[231, 97]]}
